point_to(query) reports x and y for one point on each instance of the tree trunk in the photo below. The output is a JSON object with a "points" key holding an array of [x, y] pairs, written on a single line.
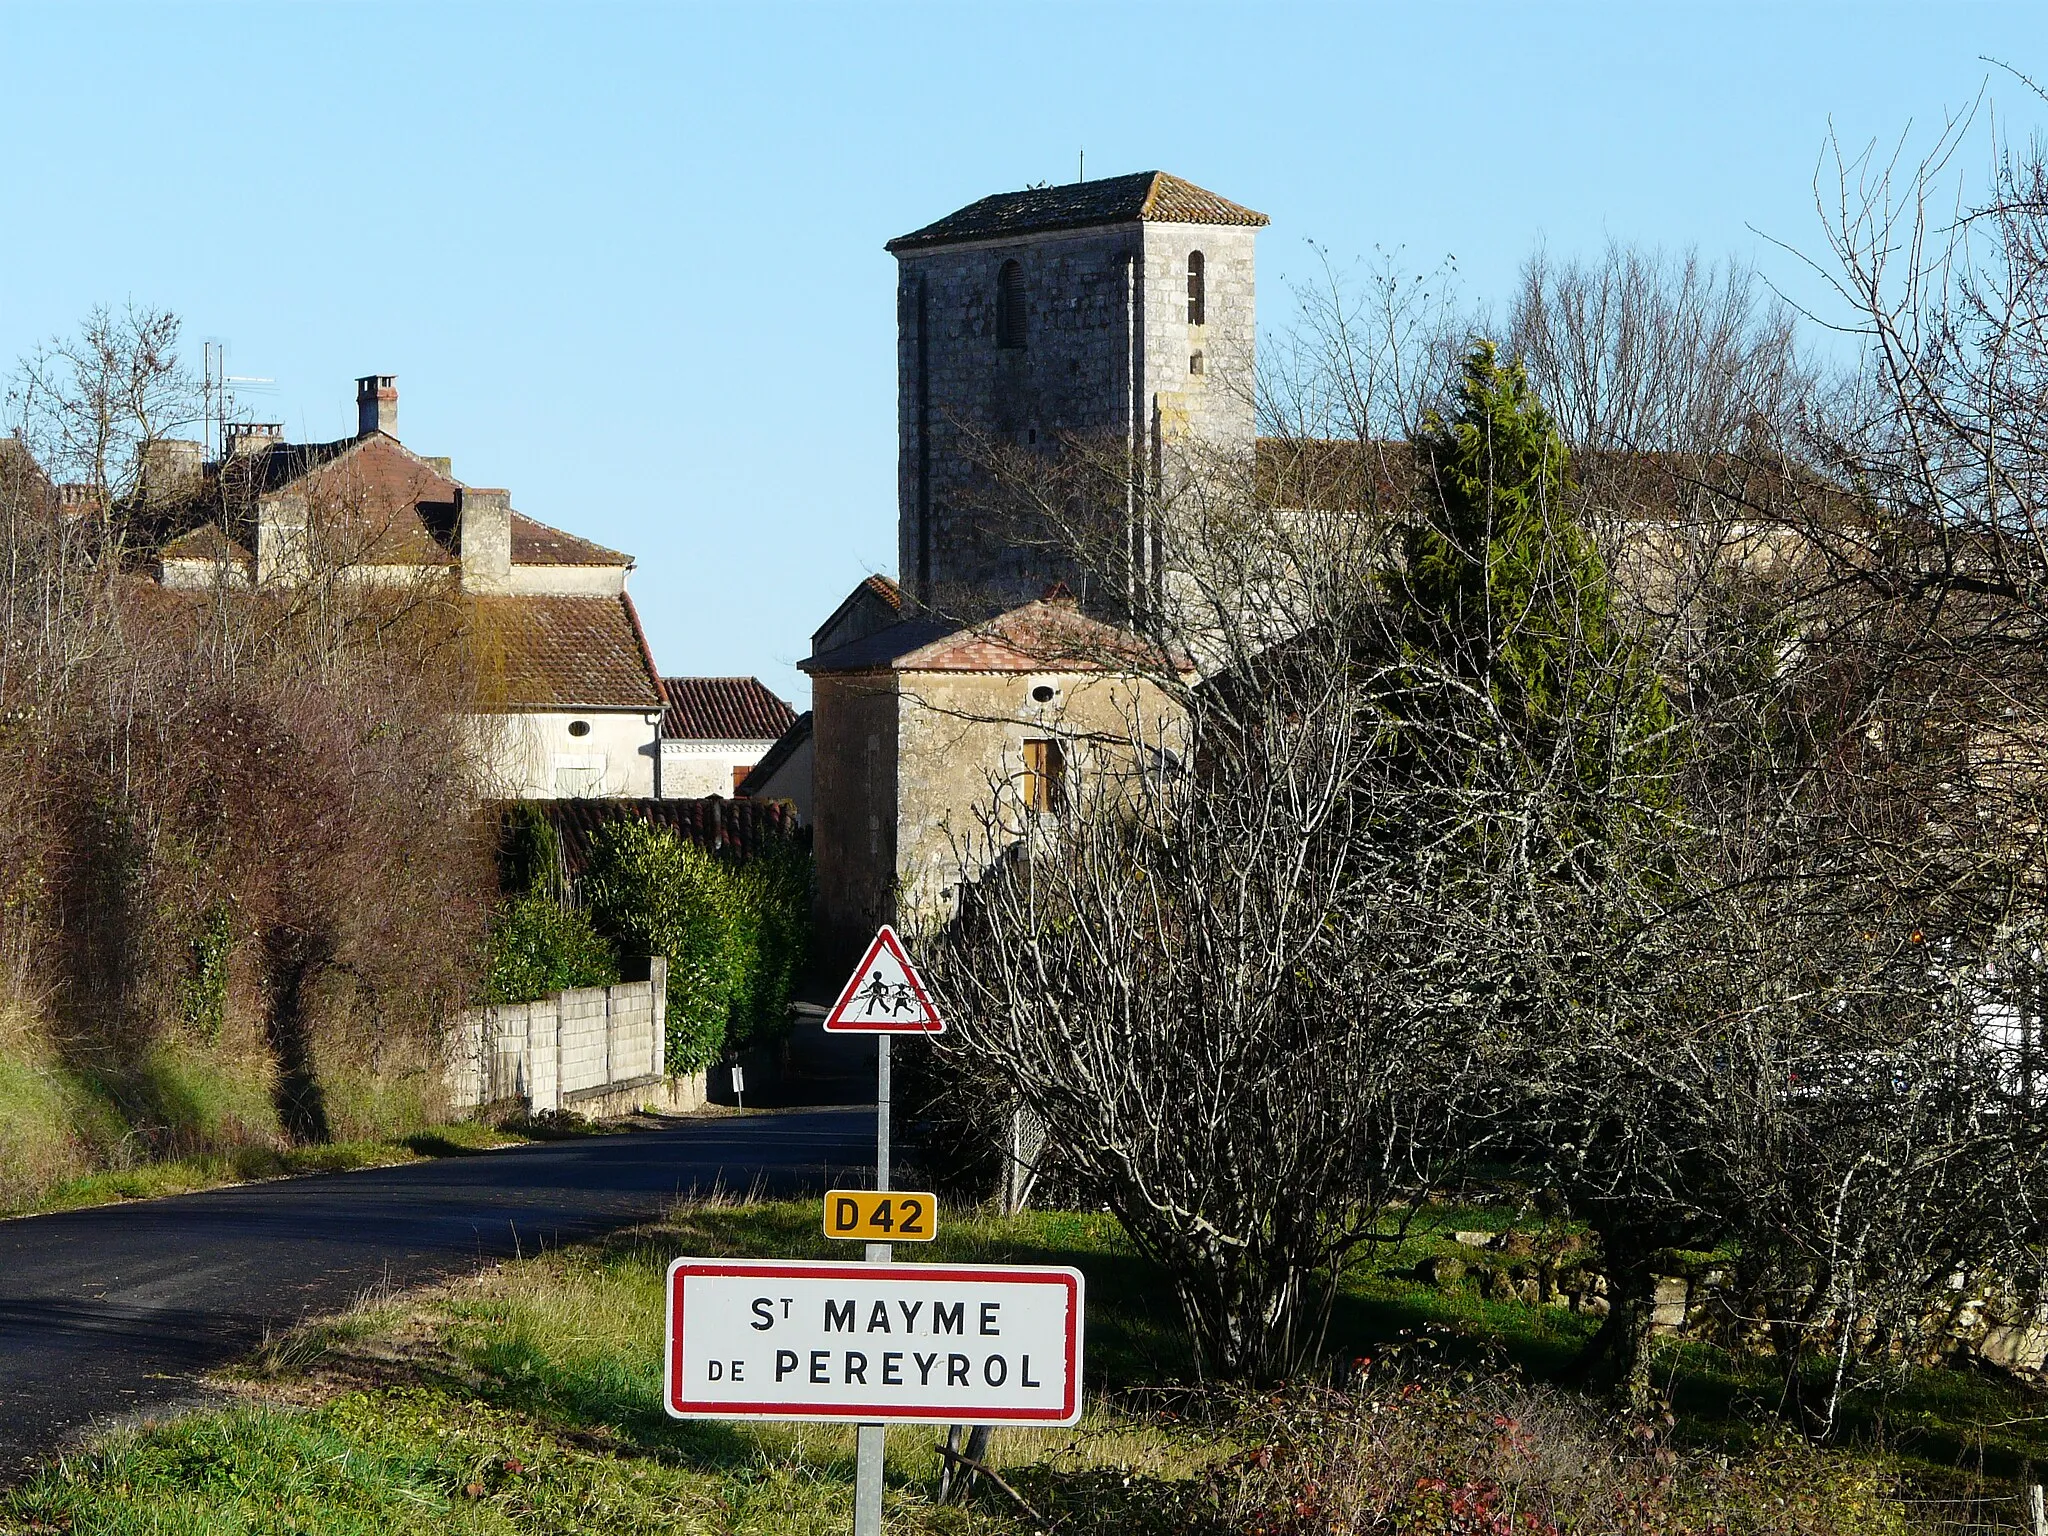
{"points": [[1617, 1357], [289, 962]]}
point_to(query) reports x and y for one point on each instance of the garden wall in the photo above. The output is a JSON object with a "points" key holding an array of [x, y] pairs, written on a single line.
{"points": [[593, 1050]]}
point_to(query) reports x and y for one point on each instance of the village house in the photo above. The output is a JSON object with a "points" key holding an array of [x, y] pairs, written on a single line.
{"points": [[1113, 322], [713, 731], [954, 710], [570, 701]]}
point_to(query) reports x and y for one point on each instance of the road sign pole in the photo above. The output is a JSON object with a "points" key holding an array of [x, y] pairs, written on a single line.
{"points": [[868, 1439]]}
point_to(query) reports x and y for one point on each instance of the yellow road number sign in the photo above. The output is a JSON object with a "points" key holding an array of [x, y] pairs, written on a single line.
{"points": [[894, 1216]]}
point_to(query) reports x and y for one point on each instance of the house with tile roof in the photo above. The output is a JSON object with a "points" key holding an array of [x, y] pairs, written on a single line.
{"points": [[952, 706], [936, 746], [570, 700], [713, 731]]}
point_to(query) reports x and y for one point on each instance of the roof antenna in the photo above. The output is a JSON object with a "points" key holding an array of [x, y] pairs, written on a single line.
{"points": [[1081, 173]]}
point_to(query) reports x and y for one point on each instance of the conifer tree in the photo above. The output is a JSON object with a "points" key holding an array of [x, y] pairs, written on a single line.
{"points": [[1504, 586]]}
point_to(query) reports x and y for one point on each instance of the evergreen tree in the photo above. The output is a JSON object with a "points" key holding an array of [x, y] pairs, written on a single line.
{"points": [[1505, 587]]}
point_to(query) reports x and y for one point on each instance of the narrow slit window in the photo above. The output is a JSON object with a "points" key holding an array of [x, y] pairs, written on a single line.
{"points": [[1010, 305], [1198, 299], [1045, 774]]}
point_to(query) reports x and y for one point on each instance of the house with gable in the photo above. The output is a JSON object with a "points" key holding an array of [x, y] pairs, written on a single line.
{"points": [[570, 700], [956, 707], [714, 730]]}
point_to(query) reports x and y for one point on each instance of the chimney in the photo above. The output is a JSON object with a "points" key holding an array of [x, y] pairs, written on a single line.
{"points": [[240, 437], [484, 521], [171, 468], [377, 404]]}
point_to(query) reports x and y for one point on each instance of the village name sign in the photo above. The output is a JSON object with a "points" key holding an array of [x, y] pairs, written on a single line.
{"points": [[876, 1342]]}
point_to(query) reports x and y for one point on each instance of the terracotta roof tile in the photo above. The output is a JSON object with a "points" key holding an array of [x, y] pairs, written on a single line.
{"points": [[205, 543], [563, 653], [535, 543], [1151, 197], [1051, 634], [722, 709]]}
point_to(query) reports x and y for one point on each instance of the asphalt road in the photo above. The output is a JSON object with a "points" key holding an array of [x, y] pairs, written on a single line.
{"points": [[109, 1312]]}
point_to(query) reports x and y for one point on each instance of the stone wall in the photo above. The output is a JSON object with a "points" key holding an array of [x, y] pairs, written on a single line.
{"points": [[853, 798], [595, 1050], [1107, 360]]}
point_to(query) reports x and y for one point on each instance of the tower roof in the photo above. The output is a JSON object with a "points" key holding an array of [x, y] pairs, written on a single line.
{"points": [[1150, 197]]}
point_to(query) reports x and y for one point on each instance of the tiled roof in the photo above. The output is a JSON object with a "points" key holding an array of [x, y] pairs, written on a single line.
{"points": [[785, 747], [206, 543], [1151, 197], [379, 502], [563, 653], [879, 649], [722, 709], [1051, 634], [535, 543], [875, 604], [386, 505]]}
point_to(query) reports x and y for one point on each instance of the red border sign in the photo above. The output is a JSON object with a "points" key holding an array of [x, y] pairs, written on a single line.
{"points": [[926, 1020], [925, 1412]]}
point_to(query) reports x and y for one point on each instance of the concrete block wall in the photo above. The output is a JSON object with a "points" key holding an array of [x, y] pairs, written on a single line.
{"points": [[594, 1048]]}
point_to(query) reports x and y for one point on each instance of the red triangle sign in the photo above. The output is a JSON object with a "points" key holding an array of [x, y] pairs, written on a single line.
{"points": [[885, 995]]}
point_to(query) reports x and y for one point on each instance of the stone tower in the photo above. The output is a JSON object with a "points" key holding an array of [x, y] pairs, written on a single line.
{"points": [[1116, 314]]}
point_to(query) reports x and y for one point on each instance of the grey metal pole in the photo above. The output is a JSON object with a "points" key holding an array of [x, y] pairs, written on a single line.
{"points": [[868, 1439]]}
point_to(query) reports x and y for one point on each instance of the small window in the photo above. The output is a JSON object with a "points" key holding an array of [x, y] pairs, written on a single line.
{"points": [[1195, 363], [579, 727], [1045, 774], [1044, 693], [1010, 305], [1198, 303], [739, 775]]}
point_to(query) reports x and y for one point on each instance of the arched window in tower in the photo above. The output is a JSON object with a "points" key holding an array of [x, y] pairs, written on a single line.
{"points": [[1010, 305], [1198, 303]]}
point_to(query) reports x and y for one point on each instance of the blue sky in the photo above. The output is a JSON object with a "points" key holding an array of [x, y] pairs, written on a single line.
{"points": [[627, 260]]}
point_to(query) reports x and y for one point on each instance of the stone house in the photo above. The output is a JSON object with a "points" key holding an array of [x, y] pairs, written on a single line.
{"points": [[784, 772], [1111, 323], [713, 731], [570, 701], [952, 711], [938, 746]]}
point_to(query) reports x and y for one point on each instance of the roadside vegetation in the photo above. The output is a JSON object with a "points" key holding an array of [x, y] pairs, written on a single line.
{"points": [[528, 1399], [148, 1180], [736, 933]]}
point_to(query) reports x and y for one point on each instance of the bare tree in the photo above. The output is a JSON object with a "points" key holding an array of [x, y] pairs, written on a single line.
{"points": [[1694, 871]]}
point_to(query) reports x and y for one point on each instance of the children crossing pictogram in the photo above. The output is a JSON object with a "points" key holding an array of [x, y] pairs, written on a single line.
{"points": [[885, 995]]}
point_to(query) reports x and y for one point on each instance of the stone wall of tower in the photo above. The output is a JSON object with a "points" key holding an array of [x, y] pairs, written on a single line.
{"points": [[1196, 416], [1105, 362]]}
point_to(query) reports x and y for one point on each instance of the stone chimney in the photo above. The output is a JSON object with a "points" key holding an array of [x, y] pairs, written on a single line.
{"points": [[171, 468], [240, 437], [484, 519], [377, 404]]}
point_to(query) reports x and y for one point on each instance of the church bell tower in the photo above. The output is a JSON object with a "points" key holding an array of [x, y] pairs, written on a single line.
{"points": [[1113, 318]]}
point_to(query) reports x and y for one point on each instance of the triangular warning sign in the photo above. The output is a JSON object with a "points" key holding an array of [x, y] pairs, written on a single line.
{"points": [[885, 995]]}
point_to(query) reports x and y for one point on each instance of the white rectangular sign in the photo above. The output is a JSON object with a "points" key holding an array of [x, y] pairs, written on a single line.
{"points": [[910, 1343]]}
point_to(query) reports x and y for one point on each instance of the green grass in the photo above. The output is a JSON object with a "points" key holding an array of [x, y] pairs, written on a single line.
{"points": [[184, 1175], [528, 1399]]}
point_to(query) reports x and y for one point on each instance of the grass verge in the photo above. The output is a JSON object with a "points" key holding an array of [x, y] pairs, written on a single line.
{"points": [[527, 1399], [244, 1165]]}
